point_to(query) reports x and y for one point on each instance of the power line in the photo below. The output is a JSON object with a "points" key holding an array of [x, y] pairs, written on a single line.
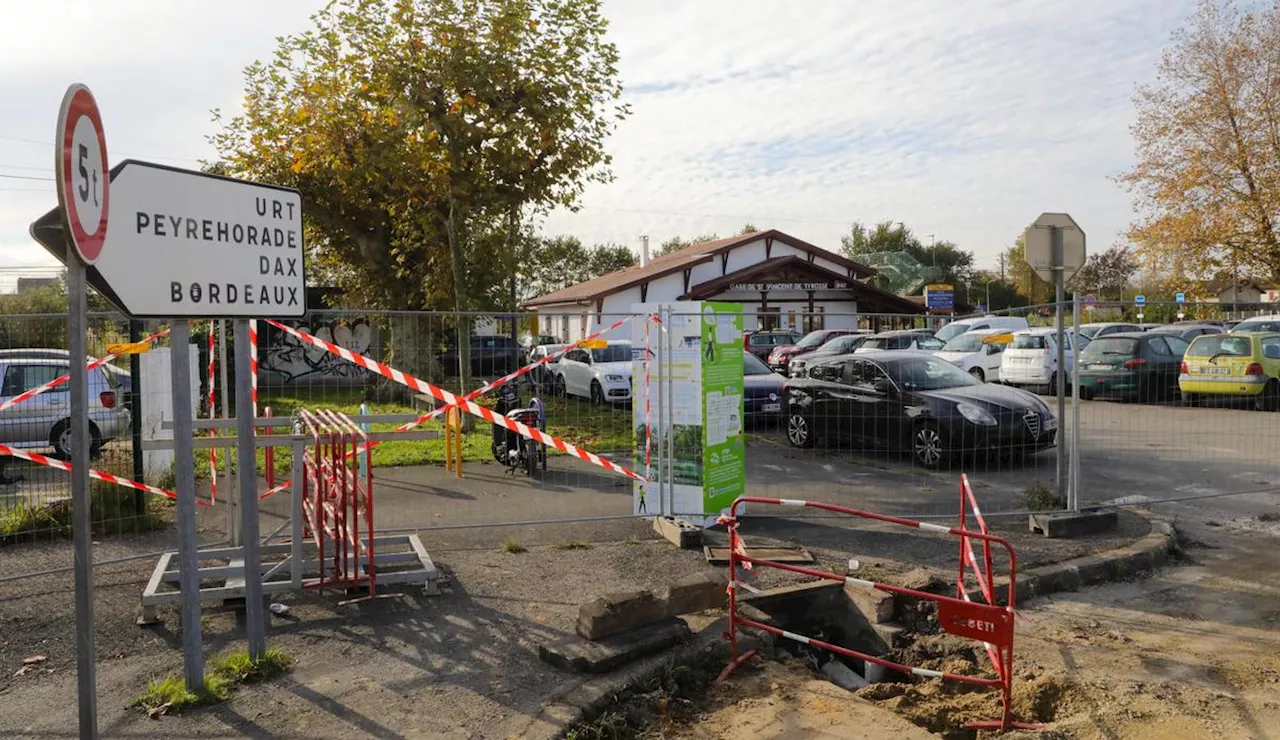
{"points": [[24, 167], [27, 177], [37, 142]]}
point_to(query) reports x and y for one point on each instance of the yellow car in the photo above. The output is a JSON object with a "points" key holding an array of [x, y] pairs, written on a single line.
{"points": [[1245, 365]]}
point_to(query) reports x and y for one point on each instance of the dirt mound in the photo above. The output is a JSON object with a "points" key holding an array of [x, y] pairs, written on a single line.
{"points": [[1250, 673]]}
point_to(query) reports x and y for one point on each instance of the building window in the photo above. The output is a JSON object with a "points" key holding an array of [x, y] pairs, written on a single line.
{"points": [[769, 318], [816, 320], [791, 320], [564, 328]]}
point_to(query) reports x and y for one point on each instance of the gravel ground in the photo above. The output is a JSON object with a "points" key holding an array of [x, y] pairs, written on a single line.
{"points": [[386, 667]]}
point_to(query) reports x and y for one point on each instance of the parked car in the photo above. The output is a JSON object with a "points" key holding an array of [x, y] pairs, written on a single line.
{"points": [[1243, 365], [762, 343], [1141, 366], [964, 326], [1258, 323], [1227, 326], [976, 352], [1186, 330], [780, 356], [45, 420], [902, 339], [1031, 359], [528, 343], [603, 374], [543, 376], [838, 346], [1101, 329], [490, 355], [761, 390], [910, 401]]}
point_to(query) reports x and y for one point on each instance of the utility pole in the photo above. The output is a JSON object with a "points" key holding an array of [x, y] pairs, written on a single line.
{"points": [[1001, 267]]}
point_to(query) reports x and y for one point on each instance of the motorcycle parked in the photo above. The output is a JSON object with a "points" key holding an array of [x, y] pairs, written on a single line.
{"points": [[513, 450]]}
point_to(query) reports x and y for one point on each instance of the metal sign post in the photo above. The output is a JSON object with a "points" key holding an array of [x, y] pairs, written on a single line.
{"points": [[80, 168], [185, 480], [248, 478], [1055, 248]]}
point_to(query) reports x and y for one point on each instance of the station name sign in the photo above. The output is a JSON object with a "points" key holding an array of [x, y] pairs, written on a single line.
{"points": [[829, 285]]}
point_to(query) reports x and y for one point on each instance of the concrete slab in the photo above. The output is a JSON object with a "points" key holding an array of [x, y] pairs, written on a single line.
{"points": [[1074, 524], [576, 655]]}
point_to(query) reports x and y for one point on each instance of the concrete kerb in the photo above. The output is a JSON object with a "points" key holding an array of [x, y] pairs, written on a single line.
{"points": [[591, 695], [1148, 553]]}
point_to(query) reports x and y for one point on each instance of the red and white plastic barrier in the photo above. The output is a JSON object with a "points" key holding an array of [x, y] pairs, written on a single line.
{"points": [[253, 366], [989, 624], [213, 451], [64, 378], [451, 399], [50, 462]]}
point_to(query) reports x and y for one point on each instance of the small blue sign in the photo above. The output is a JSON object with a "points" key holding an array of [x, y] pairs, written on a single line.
{"points": [[1181, 298], [1140, 300], [939, 300], [1090, 300]]}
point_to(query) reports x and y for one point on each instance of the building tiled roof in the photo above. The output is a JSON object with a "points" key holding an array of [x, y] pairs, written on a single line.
{"points": [[692, 255]]}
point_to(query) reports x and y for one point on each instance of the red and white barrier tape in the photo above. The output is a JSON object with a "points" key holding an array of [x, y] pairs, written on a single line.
{"points": [[450, 399], [62, 379], [552, 357], [253, 365], [213, 452], [96, 474]]}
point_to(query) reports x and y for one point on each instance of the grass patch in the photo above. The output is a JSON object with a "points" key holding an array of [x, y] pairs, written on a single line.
{"points": [[221, 678], [600, 429], [513, 547], [1039, 497], [112, 511], [571, 545]]}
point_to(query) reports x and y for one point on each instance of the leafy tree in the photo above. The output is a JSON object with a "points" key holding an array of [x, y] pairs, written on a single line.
{"points": [[675, 243], [955, 265], [552, 263], [747, 228], [1023, 278], [607, 258], [1105, 274], [996, 294], [419, 131], [1207, 147]]}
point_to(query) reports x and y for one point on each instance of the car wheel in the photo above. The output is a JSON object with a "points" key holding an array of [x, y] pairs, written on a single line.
{"points": [[597, 393], [60, 440], [799, 431], [1269, 398], [928, 447], [1053, 385], [1190, 399], [559, 388], [978, 374]]}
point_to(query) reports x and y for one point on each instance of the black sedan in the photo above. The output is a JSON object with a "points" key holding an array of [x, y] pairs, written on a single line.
{"points": [[912, 401], [761, 390]]}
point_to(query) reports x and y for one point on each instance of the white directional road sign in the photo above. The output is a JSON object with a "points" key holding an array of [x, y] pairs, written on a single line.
{"points": [[1039, 245], [190, 244]]}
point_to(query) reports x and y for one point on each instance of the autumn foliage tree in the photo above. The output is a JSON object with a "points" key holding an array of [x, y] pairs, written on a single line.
{"points": [[1207, 178], [422, 133]]}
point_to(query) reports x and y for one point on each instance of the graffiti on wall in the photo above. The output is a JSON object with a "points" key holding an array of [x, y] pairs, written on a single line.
{"points": [[286, 360]]}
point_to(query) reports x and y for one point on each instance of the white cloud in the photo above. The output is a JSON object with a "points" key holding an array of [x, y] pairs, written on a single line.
{"points": [[964, 120]]}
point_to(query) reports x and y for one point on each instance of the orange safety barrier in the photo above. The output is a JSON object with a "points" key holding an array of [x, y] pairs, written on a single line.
{"points": [[334, 499], [990, 623], [453, 441]]}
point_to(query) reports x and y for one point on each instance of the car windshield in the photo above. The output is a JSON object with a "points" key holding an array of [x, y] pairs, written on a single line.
{"points": [[951, 331], [963, 343], [751, 365], [1221, 345], [1030, 341], [612, 353], [842, 345], [813, 339], [1257, 325], [1111, 346], [927, 374], [1089, 331]]}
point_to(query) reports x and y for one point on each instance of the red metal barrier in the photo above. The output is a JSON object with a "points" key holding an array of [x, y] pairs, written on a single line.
{"points": [[269, 453], [334, 500], [991, 624]]}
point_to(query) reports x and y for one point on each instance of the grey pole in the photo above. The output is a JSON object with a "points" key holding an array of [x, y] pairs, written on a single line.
{"points": [[81, 513], [651, 391], [670, 452], [185, 480], [247, 465], [1075, 404], [222, 360], [135, 413], [1055, 235]]}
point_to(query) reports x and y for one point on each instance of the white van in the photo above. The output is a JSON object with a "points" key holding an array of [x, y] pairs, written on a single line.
{"points": [[1003, 323], [1032, 358]]}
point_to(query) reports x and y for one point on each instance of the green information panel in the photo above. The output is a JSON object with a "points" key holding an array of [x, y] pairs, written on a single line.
{"points": [[723, 448]]}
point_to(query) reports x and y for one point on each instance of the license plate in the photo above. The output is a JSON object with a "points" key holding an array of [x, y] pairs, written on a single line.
{"points": [[1214, 370], [1099, 367], [771, 407]]}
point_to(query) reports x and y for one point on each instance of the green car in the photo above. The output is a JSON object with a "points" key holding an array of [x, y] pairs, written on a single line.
{"points": [[1136, 366]]}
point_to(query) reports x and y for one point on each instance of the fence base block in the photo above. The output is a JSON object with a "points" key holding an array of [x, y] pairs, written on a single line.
{"points": [[678, 532], [1073, 524]]}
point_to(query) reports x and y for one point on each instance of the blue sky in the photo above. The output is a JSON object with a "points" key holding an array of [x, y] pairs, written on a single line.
{"points": [[963, 120]]}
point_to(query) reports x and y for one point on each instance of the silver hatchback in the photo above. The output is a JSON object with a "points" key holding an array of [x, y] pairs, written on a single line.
{"points": [[44, 421]]}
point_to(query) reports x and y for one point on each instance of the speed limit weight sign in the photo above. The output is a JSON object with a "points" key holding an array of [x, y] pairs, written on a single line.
{"points": [[82, 176]]}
